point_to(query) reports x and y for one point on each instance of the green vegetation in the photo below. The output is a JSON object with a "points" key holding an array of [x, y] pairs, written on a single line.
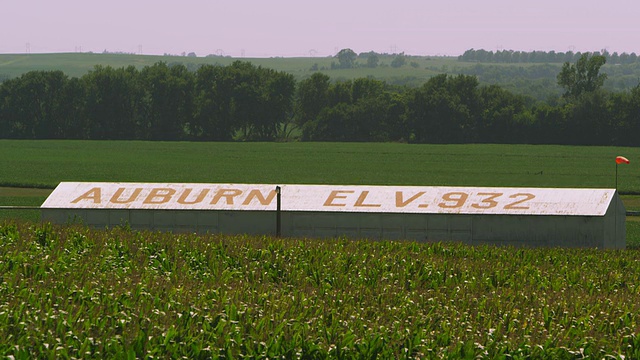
{"points": [[46, 163], [245, 102], [524, 75], [583, 77], [72, 292], [76, 293], [43, 164], [22, 197], [79, 64], [632, 225]]}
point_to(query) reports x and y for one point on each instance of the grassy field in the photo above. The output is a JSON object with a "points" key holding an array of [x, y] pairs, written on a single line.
{"points": [[43, 164], [73, 292], [46, 163]]}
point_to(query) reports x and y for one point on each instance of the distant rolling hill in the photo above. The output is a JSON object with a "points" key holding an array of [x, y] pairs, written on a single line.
{"points": [[537, 80]]}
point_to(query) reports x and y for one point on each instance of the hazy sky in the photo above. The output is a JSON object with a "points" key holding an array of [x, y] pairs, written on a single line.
{"points": [[265, 28]]}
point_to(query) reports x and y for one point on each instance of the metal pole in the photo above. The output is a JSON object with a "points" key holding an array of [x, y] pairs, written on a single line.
{"points": [[616, 177], [278, 213]]}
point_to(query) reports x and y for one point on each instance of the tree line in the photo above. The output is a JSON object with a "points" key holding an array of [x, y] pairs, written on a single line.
{"points": [[159, 102], [511, 56], [242, 102]]}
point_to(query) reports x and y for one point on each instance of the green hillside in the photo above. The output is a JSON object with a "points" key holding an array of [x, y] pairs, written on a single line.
{"points": [[78, 64], [537, 80]]}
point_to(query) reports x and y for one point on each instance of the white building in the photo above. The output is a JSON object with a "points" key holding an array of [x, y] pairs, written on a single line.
{"points": [[473, 215]]}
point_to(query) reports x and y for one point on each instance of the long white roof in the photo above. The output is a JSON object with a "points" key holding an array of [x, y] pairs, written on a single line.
{"points": [[332, 198]]}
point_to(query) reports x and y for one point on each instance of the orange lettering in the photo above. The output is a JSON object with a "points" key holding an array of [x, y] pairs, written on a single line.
{"points": [[334, 195], [94, 194], [400, 201], [458, 199], [258, 195], [115, 199], [513, 206], [183, 197], [362, 198], [489, 202], [159, 196], [229, 194]]}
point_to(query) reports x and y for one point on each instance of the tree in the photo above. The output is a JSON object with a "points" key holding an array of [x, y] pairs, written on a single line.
{"points": [[243, 97], [549, 125], [245, 94], [276, 101], [212, 116], [443, 110], [346, 58], [372, 60], [366, 88], [33, 105], [399, 61], [341, 92], [588, 119], [228, 98], [113, 103], [369, 118], [312, 97], [625, 115], [496, 120], [74, 124], [582, 77], [169, 97], [331, 124], [367, 110]]}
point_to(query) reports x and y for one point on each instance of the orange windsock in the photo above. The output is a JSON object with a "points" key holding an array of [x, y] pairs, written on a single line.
{"points": [[621, 160]]}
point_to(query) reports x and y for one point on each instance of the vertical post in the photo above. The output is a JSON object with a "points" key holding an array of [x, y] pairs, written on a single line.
{"points": [[278, 212], [616, 177]]}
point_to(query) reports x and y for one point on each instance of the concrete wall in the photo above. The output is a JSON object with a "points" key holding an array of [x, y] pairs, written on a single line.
{"points": [[200, 221], [510, 230]]}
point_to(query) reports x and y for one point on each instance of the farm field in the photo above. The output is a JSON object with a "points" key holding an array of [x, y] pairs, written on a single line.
{"points": [[76, 292], [41, 165], [71, 292]]}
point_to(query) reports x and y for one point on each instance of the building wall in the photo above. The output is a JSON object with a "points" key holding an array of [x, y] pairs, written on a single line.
{"points": [[615, 227], [200, 221], [511, 230]]}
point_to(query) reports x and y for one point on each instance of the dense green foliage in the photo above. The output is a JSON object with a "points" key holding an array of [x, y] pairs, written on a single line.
{"points": [[534, 79], [243, 102], [583, 77], [533, 73], [160, 102], [511, 56], [74, 292]]}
